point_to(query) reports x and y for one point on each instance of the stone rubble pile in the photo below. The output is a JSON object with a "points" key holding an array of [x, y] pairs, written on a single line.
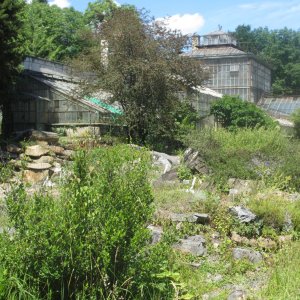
{"points": [[41, 160]]}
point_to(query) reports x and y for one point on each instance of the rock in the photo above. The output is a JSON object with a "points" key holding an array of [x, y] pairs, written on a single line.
{"points": [[288, 225], [175, 217], [170, 176], [237, 295], [57, 150], [266, 243], [285, 239], [194, 245], [193, 161], [68, 154], [38, 166], [190, 217], [33, 177], [240, 187], [236, 238], [37, 135], [214, 278], [251, 255], [45, 159], [13, 149], [157, 233], [36, 151], [242, 214], [202, 218]]}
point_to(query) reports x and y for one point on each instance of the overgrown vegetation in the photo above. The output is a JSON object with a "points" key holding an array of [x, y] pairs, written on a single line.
{"points": [[264, 154], [92, 242]]}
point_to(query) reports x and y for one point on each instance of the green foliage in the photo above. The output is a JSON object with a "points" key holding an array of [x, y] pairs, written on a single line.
{"points": [[264, 154], [296, 120], [183, 172], [232, 113], [273, 212], [238, 154], [6, 172], [92, 242], [11, 55], [51, 32], [143, 72], [280, 49], [98, 10]]}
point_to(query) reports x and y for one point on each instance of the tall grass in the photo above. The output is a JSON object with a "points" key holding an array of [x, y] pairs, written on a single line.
{"points": [[247, 154]]}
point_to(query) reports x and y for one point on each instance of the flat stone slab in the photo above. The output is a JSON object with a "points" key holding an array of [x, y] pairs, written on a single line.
{"points": [[36, 151], [38, 166], [194, 245], [45, 159]]}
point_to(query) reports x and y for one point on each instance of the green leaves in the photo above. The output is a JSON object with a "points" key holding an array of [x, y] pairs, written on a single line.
{"points": [[233, 113], [51, 32], [92, 240]]}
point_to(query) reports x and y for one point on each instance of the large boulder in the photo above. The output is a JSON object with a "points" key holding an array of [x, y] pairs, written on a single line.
{"points": [[36, 151], [242, 214], [243, 253], [193, 161], [194, 245]]}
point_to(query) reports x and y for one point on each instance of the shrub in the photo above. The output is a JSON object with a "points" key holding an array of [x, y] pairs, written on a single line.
{"points": [[233, 112], [92, 242]]}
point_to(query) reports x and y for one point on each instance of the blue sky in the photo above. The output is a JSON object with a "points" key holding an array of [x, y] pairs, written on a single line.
{"points": [[203, 16]]}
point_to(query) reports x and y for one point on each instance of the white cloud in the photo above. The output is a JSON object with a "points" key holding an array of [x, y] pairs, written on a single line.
{"points": [[60, 3], [186, 23]]}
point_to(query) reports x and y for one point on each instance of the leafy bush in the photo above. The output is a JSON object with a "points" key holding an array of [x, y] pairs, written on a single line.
{"points": [[92, 242], [233, 112]]}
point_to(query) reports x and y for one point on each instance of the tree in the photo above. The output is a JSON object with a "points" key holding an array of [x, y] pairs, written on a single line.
{"points": [[232, 112], [51, 32], [143, 71], [10, 55], [98, 10], [280, 49]]}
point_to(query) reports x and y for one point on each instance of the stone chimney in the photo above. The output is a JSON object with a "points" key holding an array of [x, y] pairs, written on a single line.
{"points": [[195, 41]]}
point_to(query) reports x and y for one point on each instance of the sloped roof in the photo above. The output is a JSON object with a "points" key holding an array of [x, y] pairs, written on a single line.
{"points": [[217, 32], [73, 90], [212, 51], [284, 105]]}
